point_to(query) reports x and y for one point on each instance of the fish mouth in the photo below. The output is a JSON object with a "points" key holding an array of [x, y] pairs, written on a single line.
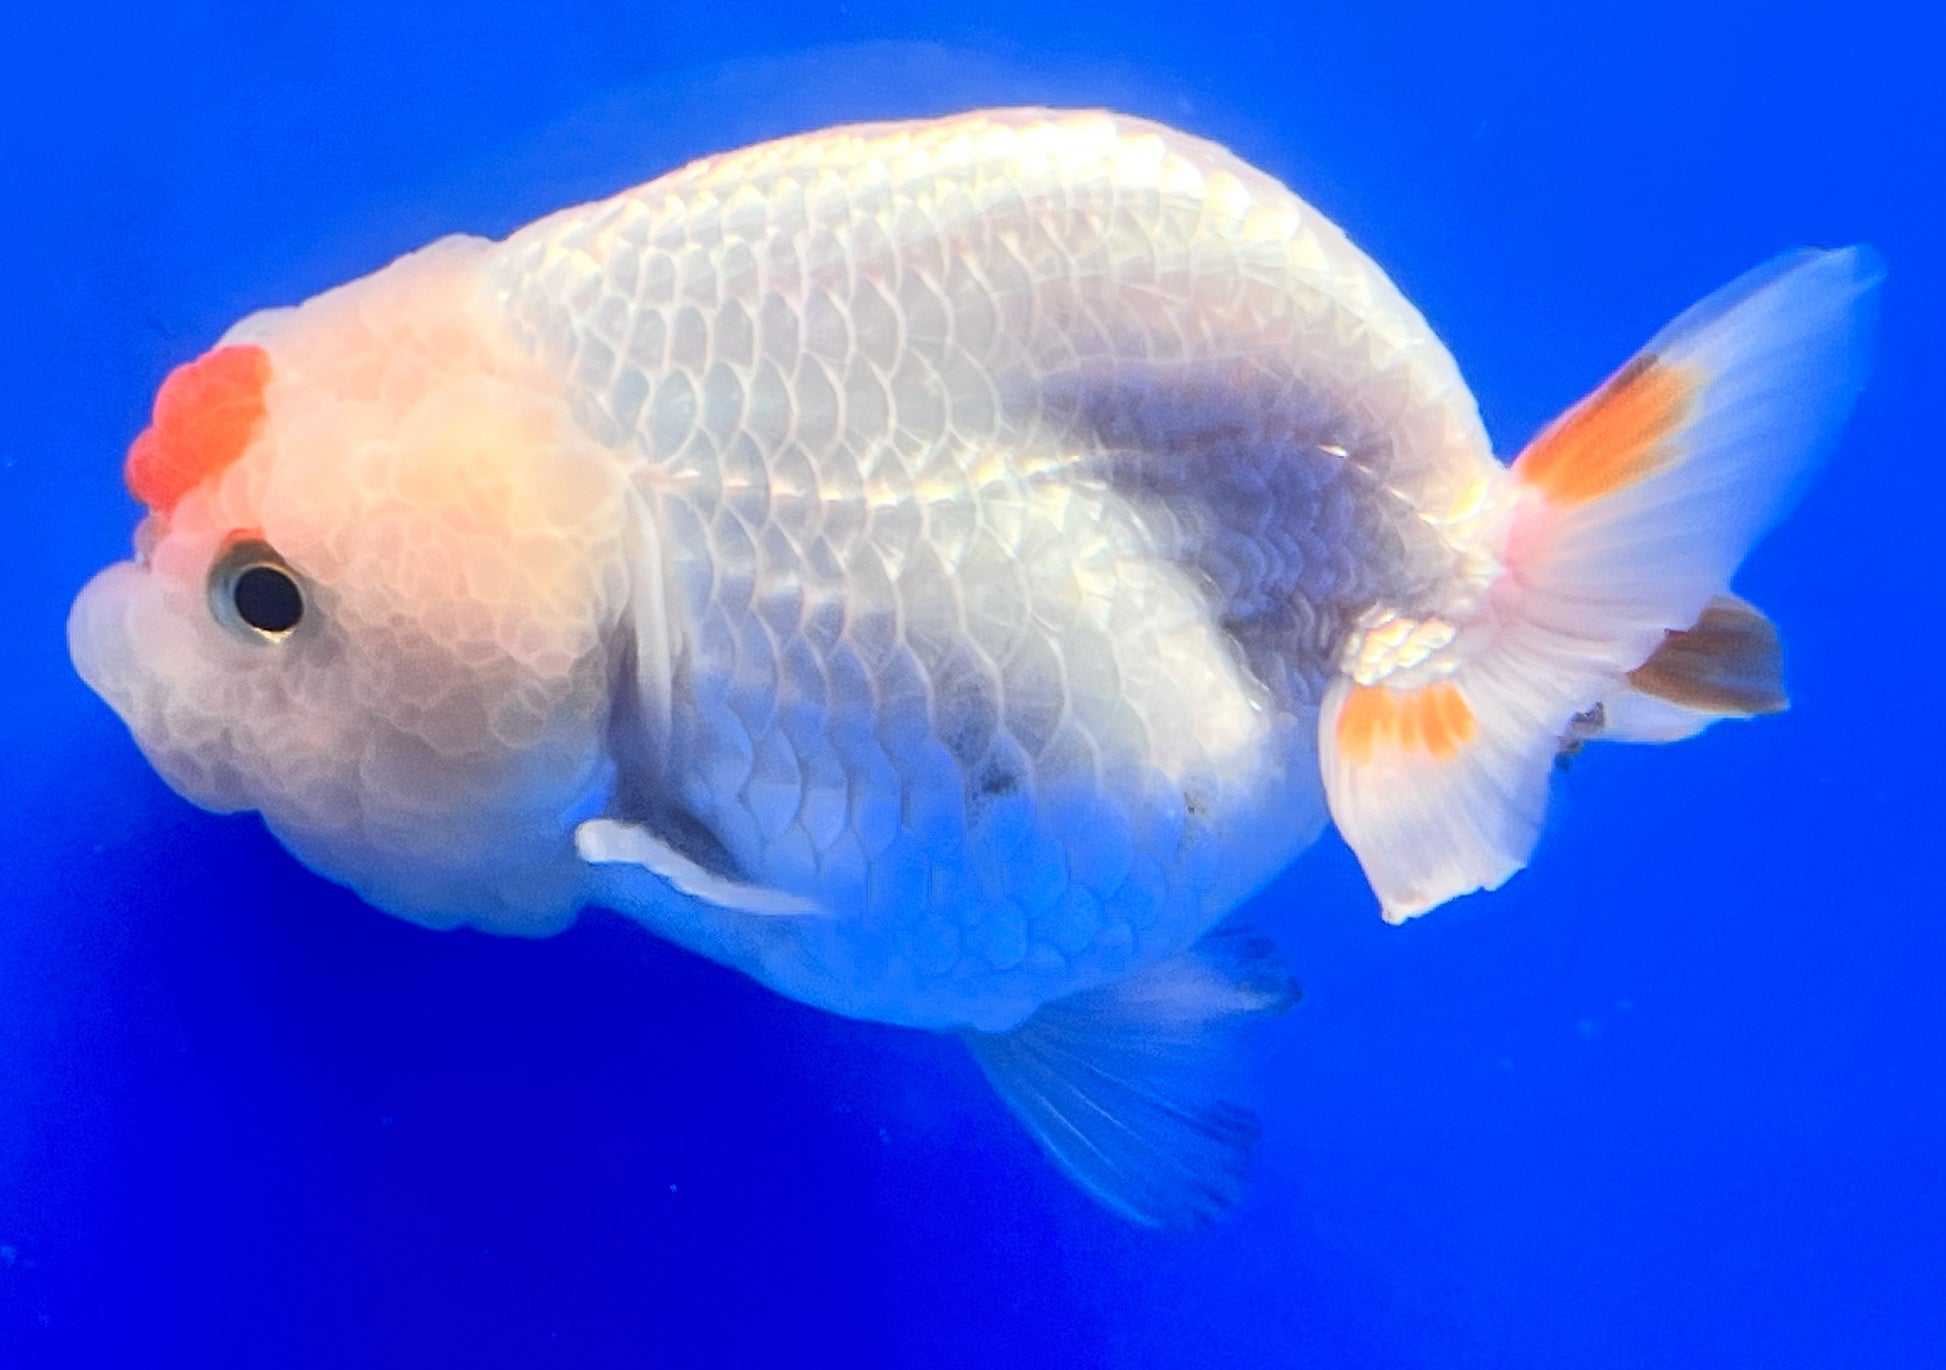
{"points": [[98, 636], [121, 634]]}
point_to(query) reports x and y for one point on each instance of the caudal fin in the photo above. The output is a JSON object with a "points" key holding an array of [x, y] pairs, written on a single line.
{"points": [[1728, 664], [1633, 509]]}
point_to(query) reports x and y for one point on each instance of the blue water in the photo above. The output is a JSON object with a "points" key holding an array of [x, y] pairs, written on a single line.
{"points": [[1675, 1097]]}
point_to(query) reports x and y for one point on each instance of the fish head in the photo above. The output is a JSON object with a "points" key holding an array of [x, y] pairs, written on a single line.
{"points": [[379, 597]]}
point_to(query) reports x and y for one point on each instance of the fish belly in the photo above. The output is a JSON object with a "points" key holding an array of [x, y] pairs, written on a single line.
{"points": [[1015, 481]]}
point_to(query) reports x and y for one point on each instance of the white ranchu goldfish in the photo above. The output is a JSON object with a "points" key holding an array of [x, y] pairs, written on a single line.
{"points": [[941, 569]]}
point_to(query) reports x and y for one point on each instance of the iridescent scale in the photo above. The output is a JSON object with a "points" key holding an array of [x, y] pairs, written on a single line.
{"points": [[1016, 482]]}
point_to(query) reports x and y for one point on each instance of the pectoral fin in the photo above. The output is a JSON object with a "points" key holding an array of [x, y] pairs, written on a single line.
{"points": [[608, 842]]}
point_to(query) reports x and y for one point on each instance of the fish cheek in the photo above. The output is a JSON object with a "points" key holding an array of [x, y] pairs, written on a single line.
{"points": [[447, 704]]}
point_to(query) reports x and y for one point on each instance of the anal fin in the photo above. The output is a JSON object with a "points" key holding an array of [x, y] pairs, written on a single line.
{"points": [[1123, 1086]]}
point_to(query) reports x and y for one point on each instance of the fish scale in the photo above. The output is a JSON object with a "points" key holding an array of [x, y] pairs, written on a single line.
{"points": [[928, 421]]}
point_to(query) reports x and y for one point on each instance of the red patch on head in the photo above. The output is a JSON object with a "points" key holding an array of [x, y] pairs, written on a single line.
{"points": [[206, 413]]}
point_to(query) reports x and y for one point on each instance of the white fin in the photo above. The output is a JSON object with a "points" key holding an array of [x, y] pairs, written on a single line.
{"points": [[1122, 1085], [604, 841], [1633, 509], [1728, 664]]}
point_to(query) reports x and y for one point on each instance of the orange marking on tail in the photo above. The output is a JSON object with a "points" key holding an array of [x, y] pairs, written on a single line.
{"points": [[206, 413], [1434, 720], [1364, 716], [1613, 438]]}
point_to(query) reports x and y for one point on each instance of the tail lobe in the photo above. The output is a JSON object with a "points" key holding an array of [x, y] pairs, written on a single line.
{"points": [[1633, 510]]}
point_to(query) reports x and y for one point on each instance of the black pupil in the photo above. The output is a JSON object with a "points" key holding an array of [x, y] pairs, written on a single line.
{"points": [[267, 600]]}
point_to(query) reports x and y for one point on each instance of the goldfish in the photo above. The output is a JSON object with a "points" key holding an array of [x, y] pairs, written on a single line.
{"points": [[942, 569]]}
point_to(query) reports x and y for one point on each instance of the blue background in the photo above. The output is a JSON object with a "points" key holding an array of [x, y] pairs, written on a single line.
{"points": [[1674, 1097]]}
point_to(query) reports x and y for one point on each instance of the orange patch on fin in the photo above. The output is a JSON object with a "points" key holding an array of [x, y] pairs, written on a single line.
{"points": [[1613, 438], [206, 413], [1433, 719]]}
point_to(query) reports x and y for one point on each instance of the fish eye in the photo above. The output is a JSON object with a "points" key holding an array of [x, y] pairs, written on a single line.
{"points": [[254, 592]]}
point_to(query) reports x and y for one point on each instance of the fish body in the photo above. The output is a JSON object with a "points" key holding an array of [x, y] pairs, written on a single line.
{"points": [[1017, 482], [940, 569]]}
